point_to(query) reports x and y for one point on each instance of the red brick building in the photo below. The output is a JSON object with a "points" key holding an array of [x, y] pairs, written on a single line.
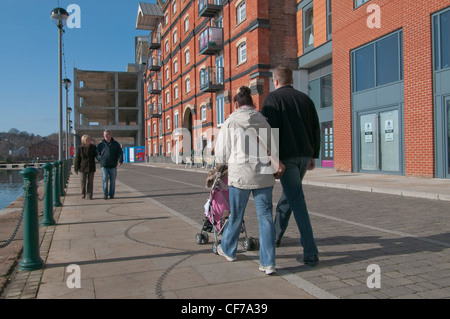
{"points": [[45, 150], [200, 53], [391, 86], [377, 70]]}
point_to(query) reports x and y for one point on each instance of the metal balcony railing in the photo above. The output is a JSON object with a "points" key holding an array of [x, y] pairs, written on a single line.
{"points": [[212, 79], [155, 110], [154, 87], [209, 8], [154, 40], [154, 63], [211, 41]]}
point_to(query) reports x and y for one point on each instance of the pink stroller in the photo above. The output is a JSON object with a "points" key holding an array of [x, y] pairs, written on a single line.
{"points": [[217, 210]]}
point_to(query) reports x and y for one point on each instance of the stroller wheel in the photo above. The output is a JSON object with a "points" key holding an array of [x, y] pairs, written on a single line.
{"points": [[249, 243], [198, 238], [205, 238], [214, 247]]}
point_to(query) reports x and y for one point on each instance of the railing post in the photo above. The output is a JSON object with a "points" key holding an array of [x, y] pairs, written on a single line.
{"points": [[31, 258], [48, 219], [61, 178], [56, 187]]}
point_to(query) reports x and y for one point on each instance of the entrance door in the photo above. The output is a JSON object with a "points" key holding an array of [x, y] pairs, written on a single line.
{"points": [[447, 134], [380, 142]]}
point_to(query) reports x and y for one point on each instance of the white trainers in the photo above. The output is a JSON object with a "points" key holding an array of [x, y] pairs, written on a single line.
{"points": [[221, 253], [268, 269]]}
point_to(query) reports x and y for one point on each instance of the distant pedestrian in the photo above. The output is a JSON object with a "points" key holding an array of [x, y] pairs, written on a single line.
{"points": [[110, 155], [246, 174], [294, 113], [85, 164]]}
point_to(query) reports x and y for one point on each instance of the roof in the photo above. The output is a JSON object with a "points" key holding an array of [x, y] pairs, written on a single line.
{"points": [[148, 16]]}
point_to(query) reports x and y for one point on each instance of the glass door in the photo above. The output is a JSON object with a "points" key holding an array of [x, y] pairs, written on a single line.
{"points": [[369, 142], [447, 135], [380, 144]]}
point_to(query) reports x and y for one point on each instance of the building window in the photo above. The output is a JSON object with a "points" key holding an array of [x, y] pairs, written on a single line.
{"points": [[186, 24], [175, 37], [242, 53], [329, 29], [360, 3], [167, 97], [441, 26], [241, 12], [175, 67], [308, 27], [154, 128], [203, 113], [321, 91], [378, 63], [175, 93], [188, 85], [160, 128], [168, 147], [174, 7], [220, 109], [168, 123], [187, 57], [167, 74], [175, 120], [166, 46]]}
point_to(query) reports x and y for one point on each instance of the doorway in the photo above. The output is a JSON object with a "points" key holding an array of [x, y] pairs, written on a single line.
{"points": [[380, 142]]}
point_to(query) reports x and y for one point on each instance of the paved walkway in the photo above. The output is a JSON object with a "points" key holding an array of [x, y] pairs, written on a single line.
{"points": [[128, 248]]}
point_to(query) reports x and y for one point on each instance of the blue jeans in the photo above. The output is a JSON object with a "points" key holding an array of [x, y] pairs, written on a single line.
{"points": [[109, 174], [264, 206], [293, 199]]}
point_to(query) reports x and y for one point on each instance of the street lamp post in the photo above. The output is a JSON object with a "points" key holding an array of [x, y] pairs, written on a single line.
{"points": [[59, 16], [67, 83]]}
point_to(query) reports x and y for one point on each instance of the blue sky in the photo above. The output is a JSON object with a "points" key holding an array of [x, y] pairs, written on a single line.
{"points": [[29, 55]]}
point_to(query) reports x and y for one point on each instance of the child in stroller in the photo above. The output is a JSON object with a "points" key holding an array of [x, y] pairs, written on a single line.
{"points": [[217, 210]]}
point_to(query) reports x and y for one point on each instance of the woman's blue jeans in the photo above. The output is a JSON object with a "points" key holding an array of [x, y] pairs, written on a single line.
{"points": [[264, 206], [293, 199], [109, 174]]}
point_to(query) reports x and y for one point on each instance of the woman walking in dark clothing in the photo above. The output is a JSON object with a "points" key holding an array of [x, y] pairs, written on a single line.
{"points": [[85, 164]]}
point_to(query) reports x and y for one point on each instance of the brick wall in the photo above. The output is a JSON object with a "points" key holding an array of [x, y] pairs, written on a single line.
{"points": [[350, 31]]}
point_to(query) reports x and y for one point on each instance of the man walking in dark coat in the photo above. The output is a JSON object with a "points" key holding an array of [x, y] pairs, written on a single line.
{"points": [[110, 155], [295, 115]]}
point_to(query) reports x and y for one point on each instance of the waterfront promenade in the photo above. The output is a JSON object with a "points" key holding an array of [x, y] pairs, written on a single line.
{"points": [[142, 244]]}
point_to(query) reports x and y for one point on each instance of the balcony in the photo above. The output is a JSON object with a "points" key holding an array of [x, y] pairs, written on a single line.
{"points": [[211, 41], [154, 87], [209, 8], [154, 63], [155, 110], [154, 41], [211, 79]]}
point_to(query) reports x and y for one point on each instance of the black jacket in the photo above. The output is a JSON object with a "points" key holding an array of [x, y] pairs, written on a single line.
{"points": [[294, 113], [109, 154], [85, 158]]}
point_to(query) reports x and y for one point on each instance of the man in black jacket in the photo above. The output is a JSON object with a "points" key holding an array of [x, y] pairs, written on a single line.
{"points": [[110, 155], [295, 115]]}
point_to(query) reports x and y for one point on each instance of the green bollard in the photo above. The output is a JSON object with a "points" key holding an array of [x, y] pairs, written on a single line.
{"points": [[48, 219], [31, 259], [56, 190], [61, 178]]}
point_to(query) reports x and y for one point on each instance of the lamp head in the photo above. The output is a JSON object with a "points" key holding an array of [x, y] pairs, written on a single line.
{"points": [[59, 16], [67, 83]]}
